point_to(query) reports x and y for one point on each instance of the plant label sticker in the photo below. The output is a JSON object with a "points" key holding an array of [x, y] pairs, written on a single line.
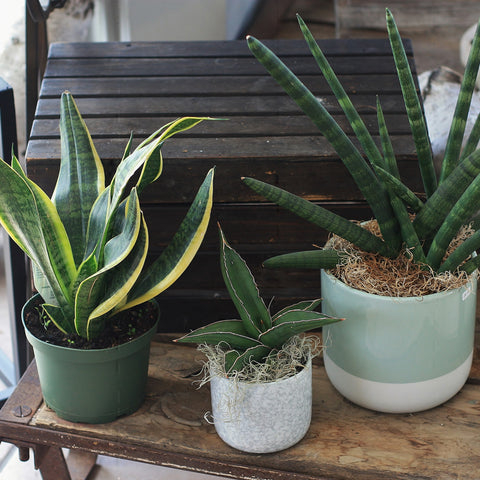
{"points": [[466, 293]]}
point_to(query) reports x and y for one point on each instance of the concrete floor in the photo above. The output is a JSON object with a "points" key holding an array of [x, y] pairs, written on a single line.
{"points": [[106, 469], [432, 49]]}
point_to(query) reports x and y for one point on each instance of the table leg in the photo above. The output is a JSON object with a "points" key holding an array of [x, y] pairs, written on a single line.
{"points": [[53, 466], [80, 464], [51, 463]]}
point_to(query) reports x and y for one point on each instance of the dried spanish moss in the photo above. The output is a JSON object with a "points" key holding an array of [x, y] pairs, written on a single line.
{"points": [[278, 365], [399, 277]]}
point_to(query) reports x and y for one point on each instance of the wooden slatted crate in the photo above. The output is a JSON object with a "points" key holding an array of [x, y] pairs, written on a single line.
{"points": [[120, 87]]}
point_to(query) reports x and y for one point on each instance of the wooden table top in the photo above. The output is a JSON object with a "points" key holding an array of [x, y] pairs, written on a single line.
{"points": [[124, 87], [343, 442]]}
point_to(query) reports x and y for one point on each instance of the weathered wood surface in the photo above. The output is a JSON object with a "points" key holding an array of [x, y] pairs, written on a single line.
{"points": [[411, 14], [121, 87], [343, 442], [434, 27]]}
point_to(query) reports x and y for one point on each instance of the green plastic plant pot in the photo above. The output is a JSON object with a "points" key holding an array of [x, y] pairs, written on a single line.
{"points": [[395, 354], [92, 386]]}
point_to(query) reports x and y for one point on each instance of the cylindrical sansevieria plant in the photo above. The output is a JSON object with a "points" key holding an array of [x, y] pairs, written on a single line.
{"points": [[257, 334], [422, 227], [88, 244]]}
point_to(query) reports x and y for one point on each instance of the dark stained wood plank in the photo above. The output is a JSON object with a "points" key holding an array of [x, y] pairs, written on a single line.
{"points": [[136, 67], [252, 228], [262, 231], [211, 106], [252, 125], [204, 85], [304, 167], [350, 47], [295, 147]]}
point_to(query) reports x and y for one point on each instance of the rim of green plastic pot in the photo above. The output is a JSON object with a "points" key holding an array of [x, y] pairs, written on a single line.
{"points": [[119, 351]]}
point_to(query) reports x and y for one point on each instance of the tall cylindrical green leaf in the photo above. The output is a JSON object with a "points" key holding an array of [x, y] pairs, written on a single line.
{"points": [[414, 109], [459, 215], [437, 207], [322, 217], [459, 122], [362, 174]]}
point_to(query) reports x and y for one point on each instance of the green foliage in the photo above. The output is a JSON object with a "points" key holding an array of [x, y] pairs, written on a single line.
{"points": [[451, 202], [257, 333], [89, 242]]}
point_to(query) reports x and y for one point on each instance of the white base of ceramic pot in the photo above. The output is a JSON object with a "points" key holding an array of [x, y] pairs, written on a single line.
{"points": [[398, 397]]}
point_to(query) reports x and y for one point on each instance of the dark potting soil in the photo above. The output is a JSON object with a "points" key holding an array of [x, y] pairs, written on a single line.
{"points": [[119, 329]]}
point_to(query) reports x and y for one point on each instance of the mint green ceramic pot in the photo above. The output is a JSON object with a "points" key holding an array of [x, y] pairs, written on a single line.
{"points": [[92, 386], [398, 355]]}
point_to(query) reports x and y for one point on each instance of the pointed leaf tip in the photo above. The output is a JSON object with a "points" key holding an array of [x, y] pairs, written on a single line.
{"points": [[242, 289]]}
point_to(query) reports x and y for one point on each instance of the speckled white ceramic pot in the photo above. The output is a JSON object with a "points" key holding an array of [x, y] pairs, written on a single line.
{"points": [[265, 417]]}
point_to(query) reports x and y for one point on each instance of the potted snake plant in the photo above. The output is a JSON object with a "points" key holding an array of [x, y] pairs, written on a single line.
{"points": [[91, 322], [406, 281], [259, 366]]}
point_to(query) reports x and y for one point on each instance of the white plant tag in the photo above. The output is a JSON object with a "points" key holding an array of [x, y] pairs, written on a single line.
{"points": [[466, 293]]}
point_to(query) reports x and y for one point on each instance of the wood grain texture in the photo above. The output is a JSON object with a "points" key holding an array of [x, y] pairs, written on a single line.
{"points": [[344, 441], [29, 396], [409, 14]]}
